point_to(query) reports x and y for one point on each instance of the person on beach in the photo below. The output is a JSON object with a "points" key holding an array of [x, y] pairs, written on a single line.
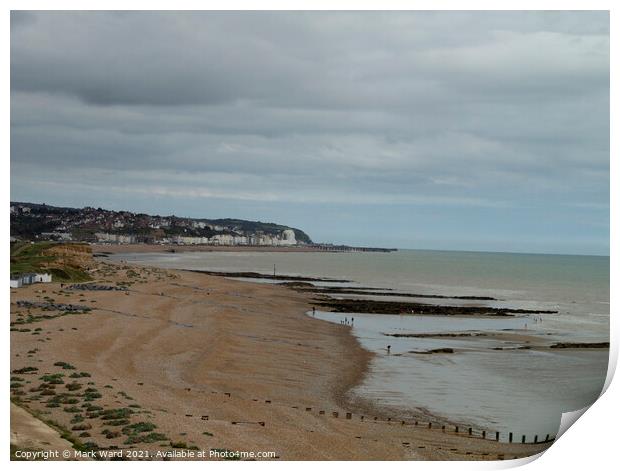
{"points": [[313, 311], [388, 349]]}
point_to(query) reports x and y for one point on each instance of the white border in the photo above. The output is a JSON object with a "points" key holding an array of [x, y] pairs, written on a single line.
{"points": [[590, 444]]}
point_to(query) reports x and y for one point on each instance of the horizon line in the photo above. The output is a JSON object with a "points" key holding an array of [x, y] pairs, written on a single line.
{"points": [[335, 243]]}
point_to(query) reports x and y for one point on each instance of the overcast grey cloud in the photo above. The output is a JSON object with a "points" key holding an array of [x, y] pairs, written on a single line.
{"points": [[474, 130]]}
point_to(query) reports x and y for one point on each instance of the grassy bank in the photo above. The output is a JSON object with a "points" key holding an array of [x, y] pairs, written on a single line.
{"points": [[43, 256]]}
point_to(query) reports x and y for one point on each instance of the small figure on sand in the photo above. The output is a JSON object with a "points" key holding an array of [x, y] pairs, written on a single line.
{"points": [[352, 319], [388, 349], [313, 311]]}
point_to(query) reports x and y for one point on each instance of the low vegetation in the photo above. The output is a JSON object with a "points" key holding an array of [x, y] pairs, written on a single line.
{"points": [[36, 257]]}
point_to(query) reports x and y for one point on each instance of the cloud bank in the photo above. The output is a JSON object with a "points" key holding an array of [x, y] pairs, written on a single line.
{"points": [[454, 129]]}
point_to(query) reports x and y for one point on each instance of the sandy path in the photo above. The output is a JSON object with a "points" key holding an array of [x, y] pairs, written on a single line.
{"points": [[29, 433]]}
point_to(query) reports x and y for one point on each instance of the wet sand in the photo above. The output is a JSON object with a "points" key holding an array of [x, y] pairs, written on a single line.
{"points": [[214, 363]]}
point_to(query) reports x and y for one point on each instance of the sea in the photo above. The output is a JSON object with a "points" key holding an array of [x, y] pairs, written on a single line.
{"points": [[487, 383]]}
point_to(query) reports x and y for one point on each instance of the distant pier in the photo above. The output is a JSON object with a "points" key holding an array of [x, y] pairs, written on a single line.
{"points": [[348, 248]]}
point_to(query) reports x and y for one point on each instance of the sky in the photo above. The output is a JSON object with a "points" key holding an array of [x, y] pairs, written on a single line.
{"points": [[433, 130]]}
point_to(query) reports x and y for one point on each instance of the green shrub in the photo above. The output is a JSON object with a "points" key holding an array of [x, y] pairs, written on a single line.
{"points": [[77, 418], [82, 426], [92, 407], [53, 379], [117, 422], [91, 397], [28, 369], [139, 428], [148, 438], [82, 374]]}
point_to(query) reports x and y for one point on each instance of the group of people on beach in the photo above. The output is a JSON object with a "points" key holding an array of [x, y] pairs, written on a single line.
{"points": [[344, 321], [536, 319]]}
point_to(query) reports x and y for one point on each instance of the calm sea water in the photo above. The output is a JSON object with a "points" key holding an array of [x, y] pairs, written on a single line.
{"points": [[519, 391]]}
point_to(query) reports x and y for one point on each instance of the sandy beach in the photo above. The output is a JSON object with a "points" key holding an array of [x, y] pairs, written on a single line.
{"points": [[210, 363]]}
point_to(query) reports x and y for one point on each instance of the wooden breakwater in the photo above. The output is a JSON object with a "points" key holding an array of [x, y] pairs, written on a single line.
{"points": [[458, 430]]}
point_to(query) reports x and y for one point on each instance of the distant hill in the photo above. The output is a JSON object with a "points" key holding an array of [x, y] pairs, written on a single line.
{"points": [[30, 221]]}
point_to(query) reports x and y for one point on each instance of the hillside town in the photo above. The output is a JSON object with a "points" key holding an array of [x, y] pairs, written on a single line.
{"points": [[43, 222]]}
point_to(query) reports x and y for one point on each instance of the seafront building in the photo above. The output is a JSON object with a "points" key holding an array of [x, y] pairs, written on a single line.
{"points": [[284, 238], [115, 238]]}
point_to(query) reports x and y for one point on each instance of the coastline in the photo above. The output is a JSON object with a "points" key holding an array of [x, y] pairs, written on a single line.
{"points": [[185, 346], [158, 248]]}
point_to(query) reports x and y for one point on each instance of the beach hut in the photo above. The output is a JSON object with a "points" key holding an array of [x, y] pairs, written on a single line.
{"points": [[16, 282], [28, 278], [43, 278]]}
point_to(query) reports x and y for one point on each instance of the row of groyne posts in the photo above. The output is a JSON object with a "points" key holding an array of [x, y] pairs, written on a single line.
{"points": [[503, 437]]}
